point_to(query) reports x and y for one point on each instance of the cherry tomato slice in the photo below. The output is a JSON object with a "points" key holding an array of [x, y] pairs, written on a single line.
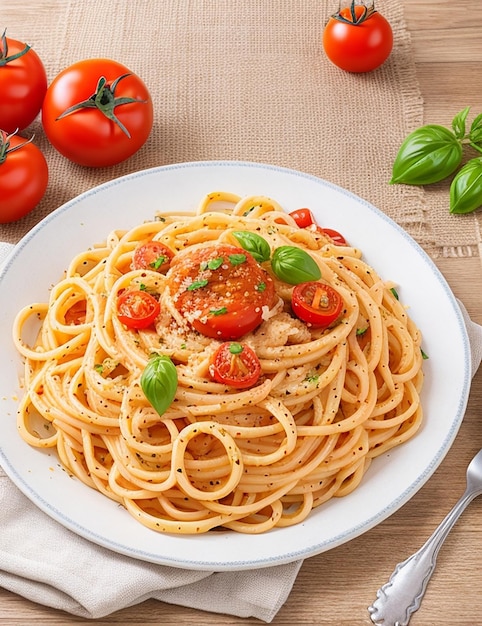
{"points": [[236, 365], [152, 255], [137, 309], [316, 303], [303, 217], [220, 290], [337, 237]]}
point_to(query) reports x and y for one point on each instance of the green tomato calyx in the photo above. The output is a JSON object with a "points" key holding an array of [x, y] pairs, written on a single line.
{"points": [[364, 13], [105, 100], [4, 58], [5, 148]]}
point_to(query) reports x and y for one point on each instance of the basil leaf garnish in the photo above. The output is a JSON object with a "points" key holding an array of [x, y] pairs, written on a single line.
{"points": [[293, 265], [466, 188], [159, 382], [254, 244], [429, 154]]}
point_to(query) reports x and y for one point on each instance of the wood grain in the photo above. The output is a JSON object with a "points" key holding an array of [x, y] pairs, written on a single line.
{"points": [[336, 587]]}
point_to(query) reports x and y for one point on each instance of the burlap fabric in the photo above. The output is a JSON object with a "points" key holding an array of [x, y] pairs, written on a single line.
{"points": [[246, 80]]}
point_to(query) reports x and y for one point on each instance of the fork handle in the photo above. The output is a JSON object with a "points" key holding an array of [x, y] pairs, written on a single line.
{"points": [[402, 594]]}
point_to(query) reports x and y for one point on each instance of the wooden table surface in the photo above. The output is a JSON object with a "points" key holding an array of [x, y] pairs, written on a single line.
{"points": [[337, 586]]}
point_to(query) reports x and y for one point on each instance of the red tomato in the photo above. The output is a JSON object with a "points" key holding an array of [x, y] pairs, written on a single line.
{"points": [[137, 309], [236, 365], [23, 83], [87, 118], [24, 177], [152, 255], [221, 290], [337, 237], [303, 217], [357, 38], [316, 303]]}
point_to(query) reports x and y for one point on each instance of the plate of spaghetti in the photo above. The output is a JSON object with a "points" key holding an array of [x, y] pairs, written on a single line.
{"points": [[216, 365]]}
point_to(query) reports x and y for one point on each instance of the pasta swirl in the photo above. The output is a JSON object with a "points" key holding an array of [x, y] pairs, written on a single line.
{"points": [[327, 401]]}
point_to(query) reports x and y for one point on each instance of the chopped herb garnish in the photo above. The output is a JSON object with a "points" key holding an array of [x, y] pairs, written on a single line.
{"points": [[361, 331], [312, 378], [99, 368], [237, 259], [260, 287], [214, 264], [142, 287], [235, 348], [197, 284], [161, 259], [424, 355], [394, 291], [220, 311]]}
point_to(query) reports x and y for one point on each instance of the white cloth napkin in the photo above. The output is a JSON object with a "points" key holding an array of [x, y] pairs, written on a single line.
{"points": [[74, 575]]}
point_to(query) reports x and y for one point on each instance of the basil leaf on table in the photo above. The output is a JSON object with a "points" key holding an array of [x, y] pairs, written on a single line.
{"points": [[466, 188], [458, 123], [253, 243], [159, 382], [294, 265], [428, 154]]}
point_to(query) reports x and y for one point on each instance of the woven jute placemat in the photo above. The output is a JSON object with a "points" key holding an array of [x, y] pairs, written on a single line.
{"points": [[246, 81]]}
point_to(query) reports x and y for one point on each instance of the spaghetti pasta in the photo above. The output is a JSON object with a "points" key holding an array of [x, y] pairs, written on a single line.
{"points": [[327, 401]]}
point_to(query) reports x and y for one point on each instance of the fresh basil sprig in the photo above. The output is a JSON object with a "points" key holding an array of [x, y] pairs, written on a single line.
{"points": [[294, 265], [427, 155], [254, 244], [290, 264], [159, 382], [432, 153], [466, 188]]}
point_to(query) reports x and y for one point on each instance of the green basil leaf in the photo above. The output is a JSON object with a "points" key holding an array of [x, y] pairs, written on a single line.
{"points": [[475, 134], [466, 188], [254, 244], [458, 123], [429, 154], [159, 382], [293, 265]]}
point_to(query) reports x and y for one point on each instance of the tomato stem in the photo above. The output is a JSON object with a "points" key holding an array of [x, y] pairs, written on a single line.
{"points": [[5, 144], [105, 100], [4, 58], [354, 19]]}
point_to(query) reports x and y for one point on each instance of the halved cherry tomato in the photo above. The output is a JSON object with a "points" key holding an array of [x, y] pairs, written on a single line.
{"points": [[337, 237], [220, 290], [303, 217], [236, 365], [137, 309], [317, 304], [152, 255]]}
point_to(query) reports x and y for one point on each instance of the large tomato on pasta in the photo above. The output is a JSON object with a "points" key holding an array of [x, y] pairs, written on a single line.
{"points": [[220, 290]]}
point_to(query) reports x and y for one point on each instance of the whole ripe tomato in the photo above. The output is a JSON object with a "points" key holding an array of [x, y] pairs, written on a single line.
{"points": [[358, 38], [23, 177], [97, 112], [23, 83]]}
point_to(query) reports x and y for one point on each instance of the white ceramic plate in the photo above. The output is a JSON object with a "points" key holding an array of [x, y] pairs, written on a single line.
{"points": [[392, 480]]}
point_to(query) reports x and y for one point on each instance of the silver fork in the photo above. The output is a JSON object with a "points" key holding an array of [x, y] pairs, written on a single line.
{"points": [[402, 594]]}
